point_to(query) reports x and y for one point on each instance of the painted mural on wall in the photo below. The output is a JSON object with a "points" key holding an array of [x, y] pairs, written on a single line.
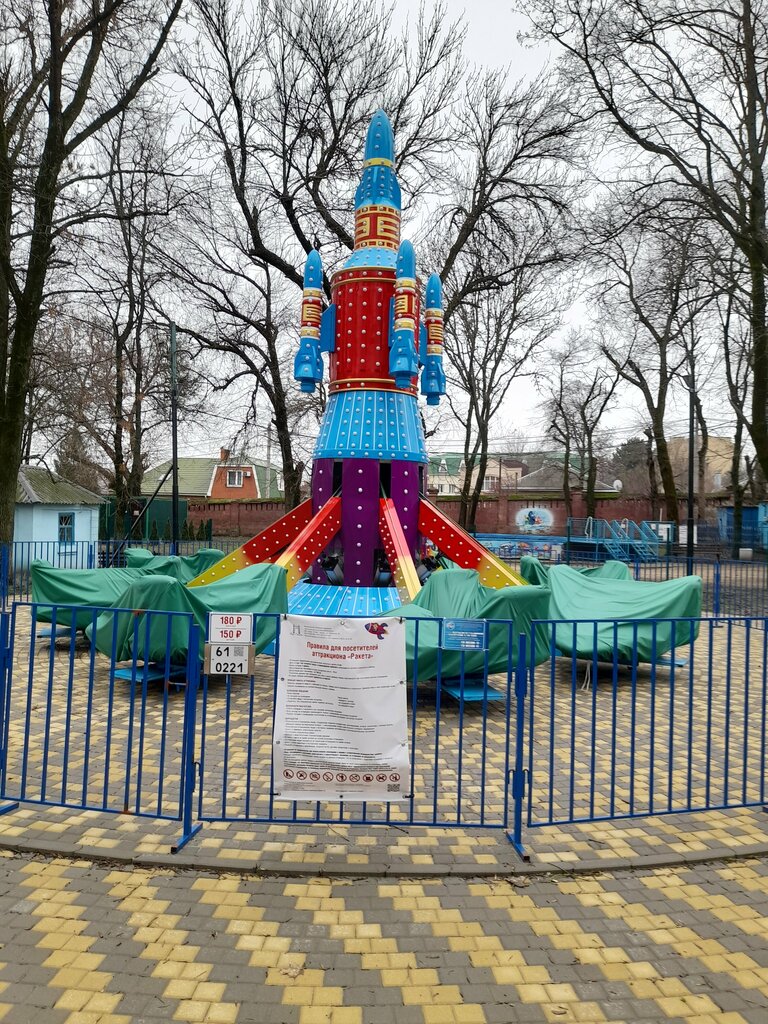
{"points": [[534, 520]]}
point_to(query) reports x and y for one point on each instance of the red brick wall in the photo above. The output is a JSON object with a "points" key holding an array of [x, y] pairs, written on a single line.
{"points": [[236, 518], [496, 515]]}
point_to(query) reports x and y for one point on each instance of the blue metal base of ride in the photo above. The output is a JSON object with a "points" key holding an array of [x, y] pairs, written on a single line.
{"points": [[328, 600]]}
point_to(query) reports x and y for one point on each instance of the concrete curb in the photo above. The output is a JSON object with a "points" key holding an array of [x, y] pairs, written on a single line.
{"points": [[275, 868]]}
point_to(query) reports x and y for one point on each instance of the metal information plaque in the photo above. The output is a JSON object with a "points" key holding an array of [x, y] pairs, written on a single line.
{"points": [[465, 635], [227, 659]]}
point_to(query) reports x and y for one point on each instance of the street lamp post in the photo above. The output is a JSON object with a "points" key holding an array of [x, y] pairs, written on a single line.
{"points": [[174, 446], [689, 380]]}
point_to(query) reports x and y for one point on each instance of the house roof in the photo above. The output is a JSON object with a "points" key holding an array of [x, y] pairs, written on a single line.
{"points": [[453, 460], [195, 475], [37, 485], [550, 478]]}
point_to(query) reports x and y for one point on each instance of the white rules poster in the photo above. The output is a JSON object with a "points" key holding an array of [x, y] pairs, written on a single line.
{"points": [[341, 723]]}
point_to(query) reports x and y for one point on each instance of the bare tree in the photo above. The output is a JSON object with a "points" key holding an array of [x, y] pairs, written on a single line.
{"points": [[580, 393], [489, 342], [516, 170], [283, 97], [687, 85], [66, 72], [651, 294]]}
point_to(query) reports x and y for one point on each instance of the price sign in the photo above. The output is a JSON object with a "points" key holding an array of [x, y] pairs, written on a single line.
{"points": [[229, 627], [224, 659]]}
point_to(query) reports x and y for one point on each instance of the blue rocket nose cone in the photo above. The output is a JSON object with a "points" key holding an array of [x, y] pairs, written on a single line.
{"points": [[406, 260], [313, 271], [380, 141], [434, 296]]}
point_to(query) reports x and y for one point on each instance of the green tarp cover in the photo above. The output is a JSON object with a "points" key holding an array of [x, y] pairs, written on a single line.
{"points": [[459, 594], [93, 588], [576, 596], [103, 588], [148, 637], [135, 558], [180, 567], [533, 571]]}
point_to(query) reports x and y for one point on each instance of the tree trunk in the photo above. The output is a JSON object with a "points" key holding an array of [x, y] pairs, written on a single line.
{"points": [[13, 414], [758, 427], [477, 489], [653, 486], [701, 489], [591, 478], [466, 486], [667, 474]]}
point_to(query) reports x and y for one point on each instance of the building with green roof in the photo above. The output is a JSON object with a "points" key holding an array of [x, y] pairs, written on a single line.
{"points": [[53, 516]]}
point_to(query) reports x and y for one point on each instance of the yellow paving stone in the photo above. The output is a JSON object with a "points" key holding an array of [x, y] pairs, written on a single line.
{"points": [[298, 995], [103, 1002], [192, 1011], [222, 1013]]}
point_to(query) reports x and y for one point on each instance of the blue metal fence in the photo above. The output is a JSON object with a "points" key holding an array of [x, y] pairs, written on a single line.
{"points": [[729, 587], [461, 729], [77, 730], [619, 719], [663, 717]]}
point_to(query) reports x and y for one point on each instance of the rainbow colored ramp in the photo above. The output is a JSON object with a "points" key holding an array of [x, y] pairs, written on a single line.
{"points": [[463, 549], [264, 547]]}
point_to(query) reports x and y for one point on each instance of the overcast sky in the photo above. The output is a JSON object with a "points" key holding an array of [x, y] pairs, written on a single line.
{"points": [[492, 31]]}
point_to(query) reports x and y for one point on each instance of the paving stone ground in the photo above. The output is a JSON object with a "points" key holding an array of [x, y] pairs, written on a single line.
{"points": [[240, 927], [88, 944]]}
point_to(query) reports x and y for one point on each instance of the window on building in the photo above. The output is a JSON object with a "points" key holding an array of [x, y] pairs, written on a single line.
{"points": [[234, 478], [441, 488], [454, 489], [443, 466], [718, 480], [490, 483], [66, 527]]}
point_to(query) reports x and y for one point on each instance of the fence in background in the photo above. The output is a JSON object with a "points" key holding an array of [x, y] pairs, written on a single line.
{"points": [[17, 558]]}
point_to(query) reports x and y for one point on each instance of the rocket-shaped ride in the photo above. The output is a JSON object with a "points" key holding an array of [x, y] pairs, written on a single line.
{"points": [[368, 521]]}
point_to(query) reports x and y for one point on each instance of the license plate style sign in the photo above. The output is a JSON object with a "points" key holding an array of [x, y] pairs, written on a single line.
{"points": [[224, 659]]}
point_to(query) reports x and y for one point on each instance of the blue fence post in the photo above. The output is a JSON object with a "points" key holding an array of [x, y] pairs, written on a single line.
{"points": [[188, 830], [4, 574], [716, 594], [518, 773], [5, 665]]}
